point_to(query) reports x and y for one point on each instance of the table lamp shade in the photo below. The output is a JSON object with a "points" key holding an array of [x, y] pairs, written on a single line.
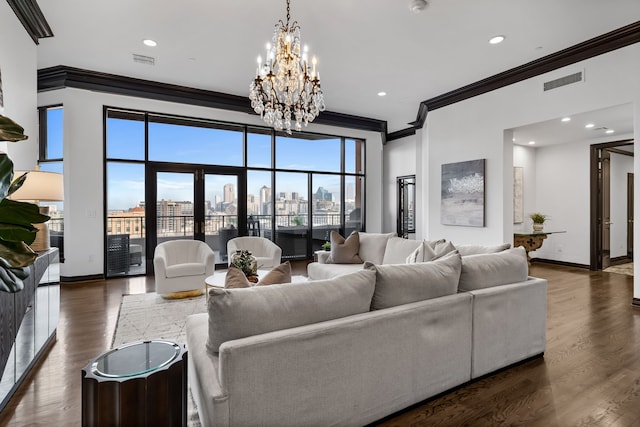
{"points": [[40, 186]]}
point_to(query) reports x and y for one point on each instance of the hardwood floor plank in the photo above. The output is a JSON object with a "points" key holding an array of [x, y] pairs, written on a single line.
{"points": [[589, 375]]}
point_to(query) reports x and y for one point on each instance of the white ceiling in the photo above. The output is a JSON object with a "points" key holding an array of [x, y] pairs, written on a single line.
{"points": [[363, 47], [552, 132]]}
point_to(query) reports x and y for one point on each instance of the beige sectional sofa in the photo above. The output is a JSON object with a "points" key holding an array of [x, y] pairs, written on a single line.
{"points": [[353, 349]]}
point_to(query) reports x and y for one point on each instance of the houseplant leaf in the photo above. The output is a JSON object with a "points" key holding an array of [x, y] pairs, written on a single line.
{"points": [[17, 254], [6, 175], [20, 213], [16, 184], [18, 233], [10, 130], [11, 277]]}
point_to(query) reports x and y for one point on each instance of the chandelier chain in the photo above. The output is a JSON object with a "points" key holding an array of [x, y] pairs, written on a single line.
{"points": [[288, 13]]}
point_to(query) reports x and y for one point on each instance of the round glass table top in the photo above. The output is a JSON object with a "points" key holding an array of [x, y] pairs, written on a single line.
{"points": [[135, 359]]}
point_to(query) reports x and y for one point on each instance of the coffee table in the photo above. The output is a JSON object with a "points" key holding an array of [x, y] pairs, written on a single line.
{"points": [[142, 383]]}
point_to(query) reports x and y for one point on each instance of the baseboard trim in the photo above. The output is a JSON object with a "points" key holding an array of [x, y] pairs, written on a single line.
{"points": [[635, 303], [89, 278], [564, 263]]}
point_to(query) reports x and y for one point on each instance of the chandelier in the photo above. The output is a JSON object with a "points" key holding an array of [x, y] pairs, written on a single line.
{"points": [[285, 89]]}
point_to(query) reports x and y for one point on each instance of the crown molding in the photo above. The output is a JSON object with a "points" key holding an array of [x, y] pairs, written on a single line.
{"points": [[32, 18], [61, 76], [613, 40]]}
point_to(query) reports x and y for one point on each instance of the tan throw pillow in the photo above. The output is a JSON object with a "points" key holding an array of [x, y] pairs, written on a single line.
{"points": [[235, 278], [345, 251], [280, 274]]}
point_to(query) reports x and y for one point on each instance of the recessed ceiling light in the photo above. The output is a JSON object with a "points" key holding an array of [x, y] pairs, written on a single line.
{"points": [[566, 119], [496, 39], [149, 42], [532, 143], [609, 131], [382, 93], [589, 126]]}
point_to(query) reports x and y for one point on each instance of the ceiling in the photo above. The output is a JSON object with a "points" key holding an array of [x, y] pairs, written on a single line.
{"points": [[618, 119], [363, 47]]}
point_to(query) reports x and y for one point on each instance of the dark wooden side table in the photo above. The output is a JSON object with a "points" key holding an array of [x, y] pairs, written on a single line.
{"points": [[138, 384]]}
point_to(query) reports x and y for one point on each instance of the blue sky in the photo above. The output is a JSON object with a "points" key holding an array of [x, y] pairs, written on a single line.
{"points": [[186, 144]]}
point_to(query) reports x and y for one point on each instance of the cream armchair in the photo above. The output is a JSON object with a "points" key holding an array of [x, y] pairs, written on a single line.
{"points": [[267, 253], [182, 265]]}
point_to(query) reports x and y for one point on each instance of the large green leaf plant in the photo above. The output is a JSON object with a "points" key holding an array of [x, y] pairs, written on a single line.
{"points": [[16, 218]]}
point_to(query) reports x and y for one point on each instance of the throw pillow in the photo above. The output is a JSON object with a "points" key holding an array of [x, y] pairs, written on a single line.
{"points": [[240, 313], [280, 274], [403, 284], [488, 270], [235, 278], [372, 246], [479, 249], [345, 251], [398, 249]]}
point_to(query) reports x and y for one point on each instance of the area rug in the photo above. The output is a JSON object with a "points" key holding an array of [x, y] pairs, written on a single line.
{"points": [[149, 316], [621, 269]]}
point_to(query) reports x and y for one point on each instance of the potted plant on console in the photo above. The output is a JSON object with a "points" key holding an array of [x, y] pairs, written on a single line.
{"points": [[538, 221], [16, 218]]}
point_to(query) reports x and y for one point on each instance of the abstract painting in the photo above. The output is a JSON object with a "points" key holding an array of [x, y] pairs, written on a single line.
{"points": [[462, 193], [518, 195]]}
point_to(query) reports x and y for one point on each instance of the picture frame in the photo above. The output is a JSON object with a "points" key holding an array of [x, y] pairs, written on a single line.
{"points": [[463, 193]]}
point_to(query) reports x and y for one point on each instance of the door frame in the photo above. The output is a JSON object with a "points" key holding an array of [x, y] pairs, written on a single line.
{"points": [[198, 171], [596, 199]]}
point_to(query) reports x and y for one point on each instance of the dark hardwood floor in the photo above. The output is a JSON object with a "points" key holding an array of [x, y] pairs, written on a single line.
{"points": [[589, 375]]}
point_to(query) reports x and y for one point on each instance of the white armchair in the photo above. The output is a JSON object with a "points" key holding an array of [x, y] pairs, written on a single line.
{"points": [[182, 265], [267, 253]]}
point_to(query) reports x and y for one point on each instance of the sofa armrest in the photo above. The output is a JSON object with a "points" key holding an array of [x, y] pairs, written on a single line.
{"points": [[323, 257], [509, 324]]}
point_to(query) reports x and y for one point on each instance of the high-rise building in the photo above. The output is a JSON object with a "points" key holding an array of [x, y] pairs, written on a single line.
{"points": [[265, 195], [229, 193], [351, 192]]}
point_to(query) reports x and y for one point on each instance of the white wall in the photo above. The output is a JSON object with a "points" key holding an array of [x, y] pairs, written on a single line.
{"points": [[83, 167], [18, 65], [399, 160], [474, 129], [621, 165]]}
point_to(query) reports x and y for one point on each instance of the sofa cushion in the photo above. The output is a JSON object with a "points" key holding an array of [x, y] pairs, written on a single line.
{"points": [[372, 246], [344, 251], [398, 249], [186, 269], [239, 313], [235, 278], [495, 269], [319, 271], [466, 250], [402, 284]]}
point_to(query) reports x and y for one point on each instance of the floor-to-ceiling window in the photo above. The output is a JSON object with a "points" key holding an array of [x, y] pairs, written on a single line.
{"points": [[212, 181], [50, 159]]}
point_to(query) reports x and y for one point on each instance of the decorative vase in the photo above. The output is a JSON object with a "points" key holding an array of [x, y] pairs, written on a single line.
{"points": [[246, 262], [537, 227]]}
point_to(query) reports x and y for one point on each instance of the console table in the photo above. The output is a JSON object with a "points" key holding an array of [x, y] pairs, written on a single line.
{"points": [[531, 241], [28, 322]]}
